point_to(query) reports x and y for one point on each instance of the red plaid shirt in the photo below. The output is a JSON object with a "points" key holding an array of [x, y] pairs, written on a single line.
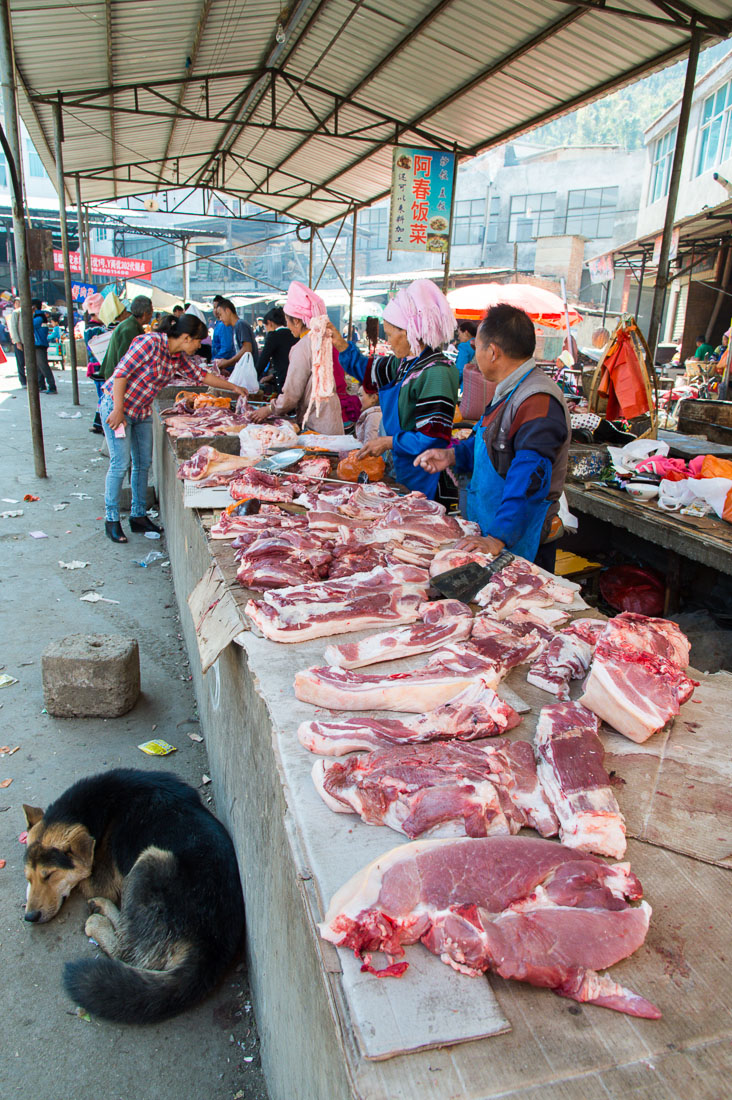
{"points": [[148, 366]]}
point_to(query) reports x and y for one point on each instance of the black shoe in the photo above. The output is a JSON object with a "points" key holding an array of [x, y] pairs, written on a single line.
{"points": [[113, 527], [144, 523], [49, 391], [97, 429]]}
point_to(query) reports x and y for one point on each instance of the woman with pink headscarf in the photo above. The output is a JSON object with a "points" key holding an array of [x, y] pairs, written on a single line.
{"points": [[315, 413], [417, 385]]}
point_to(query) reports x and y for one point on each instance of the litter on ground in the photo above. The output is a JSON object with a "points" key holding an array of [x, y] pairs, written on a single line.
{"points": [[157, 748], [94, 597], [74, 564]]}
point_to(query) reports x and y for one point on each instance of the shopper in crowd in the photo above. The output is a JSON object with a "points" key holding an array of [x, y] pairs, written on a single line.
{"points": [[46, 379], [149, 365], [178, 311], [244, 338], [368, 425], [94, 327], [16, 339], [301, 306], [466, 346], [274, 357], [204, 352], [260, 328], [517, 455], [141, 312], [703, 349], [417, 385], [222, 340]]}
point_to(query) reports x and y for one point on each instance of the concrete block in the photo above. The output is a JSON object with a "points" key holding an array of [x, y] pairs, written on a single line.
{"points": [[91, 676]]}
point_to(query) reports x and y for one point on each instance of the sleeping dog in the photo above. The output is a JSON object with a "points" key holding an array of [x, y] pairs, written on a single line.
{"points": [[163, 886]]}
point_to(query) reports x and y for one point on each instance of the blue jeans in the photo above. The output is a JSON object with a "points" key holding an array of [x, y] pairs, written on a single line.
{"points": [[136, 445]]}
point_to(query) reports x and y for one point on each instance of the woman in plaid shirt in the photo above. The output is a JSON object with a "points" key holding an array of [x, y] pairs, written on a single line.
{"points": [[150, 364]]}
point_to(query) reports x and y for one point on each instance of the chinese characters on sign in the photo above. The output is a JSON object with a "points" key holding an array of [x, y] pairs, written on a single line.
{"points": [[421, 200], [113, 267], [81, 291]]}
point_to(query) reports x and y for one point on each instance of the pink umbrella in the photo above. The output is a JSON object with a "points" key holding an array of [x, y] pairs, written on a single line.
{"points": [[544, 308]]}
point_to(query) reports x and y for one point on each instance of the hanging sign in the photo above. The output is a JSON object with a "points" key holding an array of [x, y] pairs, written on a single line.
{"points": [[673, 247], [81, 291], [113, 267], [601, 268], [421, 200]]}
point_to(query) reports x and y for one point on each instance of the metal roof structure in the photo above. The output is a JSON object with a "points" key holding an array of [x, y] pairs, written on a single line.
{"points": [[296, 107], [700, 237]]}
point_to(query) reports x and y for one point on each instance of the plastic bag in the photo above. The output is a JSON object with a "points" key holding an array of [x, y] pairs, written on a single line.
{"points": [[625, 459], [569, 520], [244, 373], [630, 588]]}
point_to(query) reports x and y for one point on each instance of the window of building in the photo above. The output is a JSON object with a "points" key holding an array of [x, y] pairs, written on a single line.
{"points": [[663, 154], [373, 228], [493, 219], [468, 221], [100, 234], [531, 216], [35, 164], [715, 134], [591, 213]]}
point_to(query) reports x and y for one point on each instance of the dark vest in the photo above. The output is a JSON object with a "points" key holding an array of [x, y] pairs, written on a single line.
{"points": [[500, 446]]}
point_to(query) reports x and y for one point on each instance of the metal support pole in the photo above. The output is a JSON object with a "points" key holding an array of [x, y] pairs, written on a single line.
{"points": [[608, 284], [11, 260], [354, 230], [310, 264], [87, 242], [451, 230], [659, 292], [58, 133], [80, 230], [640, 287], [15, 168], [186, 270]]}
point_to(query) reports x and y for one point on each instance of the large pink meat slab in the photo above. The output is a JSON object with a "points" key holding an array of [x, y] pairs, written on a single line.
{"points": [[567, 657], [525, 908], [659, 636], [635, 692], [444, 788], [442, 621], [575, 782], [307, 611], [475, 713], [447, 673]]}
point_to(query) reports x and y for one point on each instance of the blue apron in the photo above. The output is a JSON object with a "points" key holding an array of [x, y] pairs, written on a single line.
{"points": [[485, 494], [414, 477]]}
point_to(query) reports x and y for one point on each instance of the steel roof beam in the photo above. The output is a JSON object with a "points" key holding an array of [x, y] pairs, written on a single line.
{"points": [[203, 15], [110, 78]]}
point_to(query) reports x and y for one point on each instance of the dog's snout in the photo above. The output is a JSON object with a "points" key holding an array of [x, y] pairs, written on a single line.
{"points": [[32, 915]]}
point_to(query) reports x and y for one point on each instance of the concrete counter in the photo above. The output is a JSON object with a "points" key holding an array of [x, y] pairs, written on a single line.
{"points": [[312, 1005]]}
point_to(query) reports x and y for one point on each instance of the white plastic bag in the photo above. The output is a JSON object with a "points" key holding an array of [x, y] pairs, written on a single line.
{"points": [[244, 373], [625, 459], [569, 520], [673, 495]]}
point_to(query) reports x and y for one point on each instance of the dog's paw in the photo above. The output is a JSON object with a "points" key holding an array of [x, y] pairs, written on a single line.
{"points": [[96, 905]]}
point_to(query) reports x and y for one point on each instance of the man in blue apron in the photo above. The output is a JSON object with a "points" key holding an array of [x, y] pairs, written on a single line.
{"points": [[517, 454]]}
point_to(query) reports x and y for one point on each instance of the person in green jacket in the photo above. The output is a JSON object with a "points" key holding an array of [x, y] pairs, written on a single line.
{"points": [[141, 312]]}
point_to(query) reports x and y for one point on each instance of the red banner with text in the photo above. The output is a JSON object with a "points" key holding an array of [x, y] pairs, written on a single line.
{"points": [[113, 267]]}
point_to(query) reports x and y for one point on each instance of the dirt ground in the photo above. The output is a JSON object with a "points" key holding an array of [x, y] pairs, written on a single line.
{"points": [[48, 1050]]}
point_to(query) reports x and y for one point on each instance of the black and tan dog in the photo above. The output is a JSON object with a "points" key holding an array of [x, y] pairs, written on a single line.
{"points": [[163, 883]]}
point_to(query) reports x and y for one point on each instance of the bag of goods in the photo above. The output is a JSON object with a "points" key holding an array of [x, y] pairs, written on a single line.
{"points": [[208, 401], [351, 467]]}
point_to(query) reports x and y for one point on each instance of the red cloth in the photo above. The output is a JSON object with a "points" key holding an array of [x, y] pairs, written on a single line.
{"points": [[622, 381], [350, 402]]}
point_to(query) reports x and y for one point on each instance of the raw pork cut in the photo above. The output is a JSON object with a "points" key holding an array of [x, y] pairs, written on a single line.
{"points": [[283, 558], [521, 584], [442, 621], [208, 462], [446, 674], [567, 657], [308, 611], [451, 558], [505, 642], [314, 466], [635, 692], [260, 485], [321, 351], [444, 788], [475, 713], [658, 636], [230, 525], [526, 908], [575, 782]]}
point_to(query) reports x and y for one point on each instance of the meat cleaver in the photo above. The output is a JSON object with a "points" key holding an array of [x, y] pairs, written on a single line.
{"points": [[465, 582]]}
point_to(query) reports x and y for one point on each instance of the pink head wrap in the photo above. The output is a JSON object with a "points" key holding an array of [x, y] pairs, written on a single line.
{"points": [[422, 310], [304, 303], [93, 303]]}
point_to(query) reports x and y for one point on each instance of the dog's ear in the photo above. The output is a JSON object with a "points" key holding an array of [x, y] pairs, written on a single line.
{"points": [[33, 814], [81, 845]]}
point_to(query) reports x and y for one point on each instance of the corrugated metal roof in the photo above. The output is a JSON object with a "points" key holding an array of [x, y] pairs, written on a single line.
{"points": [[201, 93]]}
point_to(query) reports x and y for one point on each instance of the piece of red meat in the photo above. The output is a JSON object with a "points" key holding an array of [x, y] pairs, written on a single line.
{"points": [[442, 621], [529, 909]]}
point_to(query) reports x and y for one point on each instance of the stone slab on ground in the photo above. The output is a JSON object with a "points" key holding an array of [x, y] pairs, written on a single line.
{"points": [[91, 675]]}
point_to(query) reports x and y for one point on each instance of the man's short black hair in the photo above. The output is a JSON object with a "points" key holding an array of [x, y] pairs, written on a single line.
{"points": [[511, 329], [36, 303]]}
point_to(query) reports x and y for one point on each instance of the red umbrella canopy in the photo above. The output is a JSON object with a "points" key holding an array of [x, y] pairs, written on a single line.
{"points": [[543, 307]]}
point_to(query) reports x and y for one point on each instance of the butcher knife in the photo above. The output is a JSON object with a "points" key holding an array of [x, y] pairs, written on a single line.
{"points": [[465, 582]]}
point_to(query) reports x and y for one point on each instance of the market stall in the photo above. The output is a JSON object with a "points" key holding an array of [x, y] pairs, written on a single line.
{"points": [[330, 1030]]}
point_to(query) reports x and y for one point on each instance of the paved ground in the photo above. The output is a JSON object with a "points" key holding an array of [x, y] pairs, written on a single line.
{"points": [[47, 1051]]}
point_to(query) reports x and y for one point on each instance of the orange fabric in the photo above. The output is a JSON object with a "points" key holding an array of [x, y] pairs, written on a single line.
{"points": [[622, 381], [716, 467], [727, 510]]}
